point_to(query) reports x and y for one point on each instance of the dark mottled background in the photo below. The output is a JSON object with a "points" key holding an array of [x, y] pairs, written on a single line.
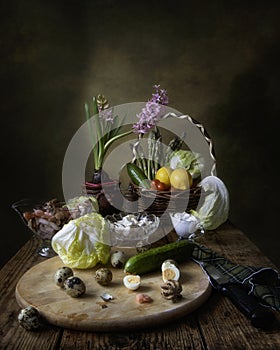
{"points": [[219, 61]]}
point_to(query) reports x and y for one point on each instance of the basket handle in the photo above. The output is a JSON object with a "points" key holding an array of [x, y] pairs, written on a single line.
{"points": [[203, 132], [198, 125]]}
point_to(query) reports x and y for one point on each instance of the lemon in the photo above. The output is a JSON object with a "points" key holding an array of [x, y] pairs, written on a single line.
{"points": [[163, 175], [181, 179]]}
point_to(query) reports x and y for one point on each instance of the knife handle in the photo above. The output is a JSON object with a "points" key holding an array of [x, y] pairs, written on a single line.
{"points": [[260, 316]]}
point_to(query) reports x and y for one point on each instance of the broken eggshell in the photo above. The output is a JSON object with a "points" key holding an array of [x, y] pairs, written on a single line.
{"points": [[106, 297]]}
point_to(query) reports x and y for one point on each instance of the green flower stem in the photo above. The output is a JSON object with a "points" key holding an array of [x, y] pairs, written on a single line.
{"points": [[150, 155], [113, 139], [94, 148], [103, 136], [100, 143]]}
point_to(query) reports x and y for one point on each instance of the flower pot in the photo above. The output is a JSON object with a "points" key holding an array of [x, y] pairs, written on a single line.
{"points": [[105, 191]]}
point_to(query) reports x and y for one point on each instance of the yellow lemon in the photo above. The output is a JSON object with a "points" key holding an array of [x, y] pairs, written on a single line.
{"points": [[163, 175], [181, 179]]}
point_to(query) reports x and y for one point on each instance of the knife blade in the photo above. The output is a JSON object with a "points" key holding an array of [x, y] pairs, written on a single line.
{"points": [[248, 304]]}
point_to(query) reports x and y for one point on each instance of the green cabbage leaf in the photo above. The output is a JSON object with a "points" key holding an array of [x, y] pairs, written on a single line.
{"points": [[191, 161], [84, 242], [215, 208]]}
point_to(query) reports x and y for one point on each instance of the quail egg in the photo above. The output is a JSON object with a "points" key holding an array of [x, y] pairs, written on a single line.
{"points": [[170, 271], [103, 276], [170, 261], [62, 274], [132, 282], [118, 259], [29, 318], [74, 287]]}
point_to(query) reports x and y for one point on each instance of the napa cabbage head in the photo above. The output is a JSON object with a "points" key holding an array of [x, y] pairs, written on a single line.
{"points": [[215, 208], [191, 161], [84, 242]]}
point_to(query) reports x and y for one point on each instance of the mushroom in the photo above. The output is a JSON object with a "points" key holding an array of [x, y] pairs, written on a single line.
{"points": [[171, 290]]}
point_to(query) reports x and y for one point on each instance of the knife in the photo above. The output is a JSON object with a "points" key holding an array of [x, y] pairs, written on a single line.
{"points": [[260, 316]]}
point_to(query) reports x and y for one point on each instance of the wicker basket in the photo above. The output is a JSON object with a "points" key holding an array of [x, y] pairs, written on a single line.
{"points": [[159, 202]]}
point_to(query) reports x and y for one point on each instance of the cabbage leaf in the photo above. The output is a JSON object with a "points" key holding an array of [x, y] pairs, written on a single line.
{"points": [[191, 161], [83, 242], [215, 209]]}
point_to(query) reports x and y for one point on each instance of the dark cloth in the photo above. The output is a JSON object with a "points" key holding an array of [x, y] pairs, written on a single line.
{"points": [[263, 282]]}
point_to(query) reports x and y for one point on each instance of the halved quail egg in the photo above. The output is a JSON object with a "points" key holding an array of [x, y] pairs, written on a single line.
{"points": [[170, 271], [132, 282]]}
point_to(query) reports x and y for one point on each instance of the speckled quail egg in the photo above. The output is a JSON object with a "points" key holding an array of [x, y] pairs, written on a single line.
{"points": [[29, 318], [62, 274], [118, 259], [74, 287], [132, 282], [103, 276]]}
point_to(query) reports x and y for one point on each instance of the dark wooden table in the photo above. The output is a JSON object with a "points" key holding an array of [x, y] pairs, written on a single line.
{"points": [[217, 324]]}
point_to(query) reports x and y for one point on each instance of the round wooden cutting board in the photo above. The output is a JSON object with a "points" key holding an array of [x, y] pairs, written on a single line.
{"points": [[90, 313]]}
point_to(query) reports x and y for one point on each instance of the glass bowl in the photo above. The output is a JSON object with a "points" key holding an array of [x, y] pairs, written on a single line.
{"points": [[131, 230], [44, 218]]}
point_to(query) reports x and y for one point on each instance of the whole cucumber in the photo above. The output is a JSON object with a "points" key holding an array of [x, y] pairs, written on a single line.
{"points": [[137, 176], [151, 259]]}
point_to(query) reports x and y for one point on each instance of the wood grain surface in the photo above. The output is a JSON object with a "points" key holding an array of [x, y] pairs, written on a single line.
{"points": [[37, 288], [216, 325]]}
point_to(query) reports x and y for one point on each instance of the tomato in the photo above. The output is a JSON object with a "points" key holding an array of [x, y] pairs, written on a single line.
{"points": [[162, 187], [154, 184]]}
